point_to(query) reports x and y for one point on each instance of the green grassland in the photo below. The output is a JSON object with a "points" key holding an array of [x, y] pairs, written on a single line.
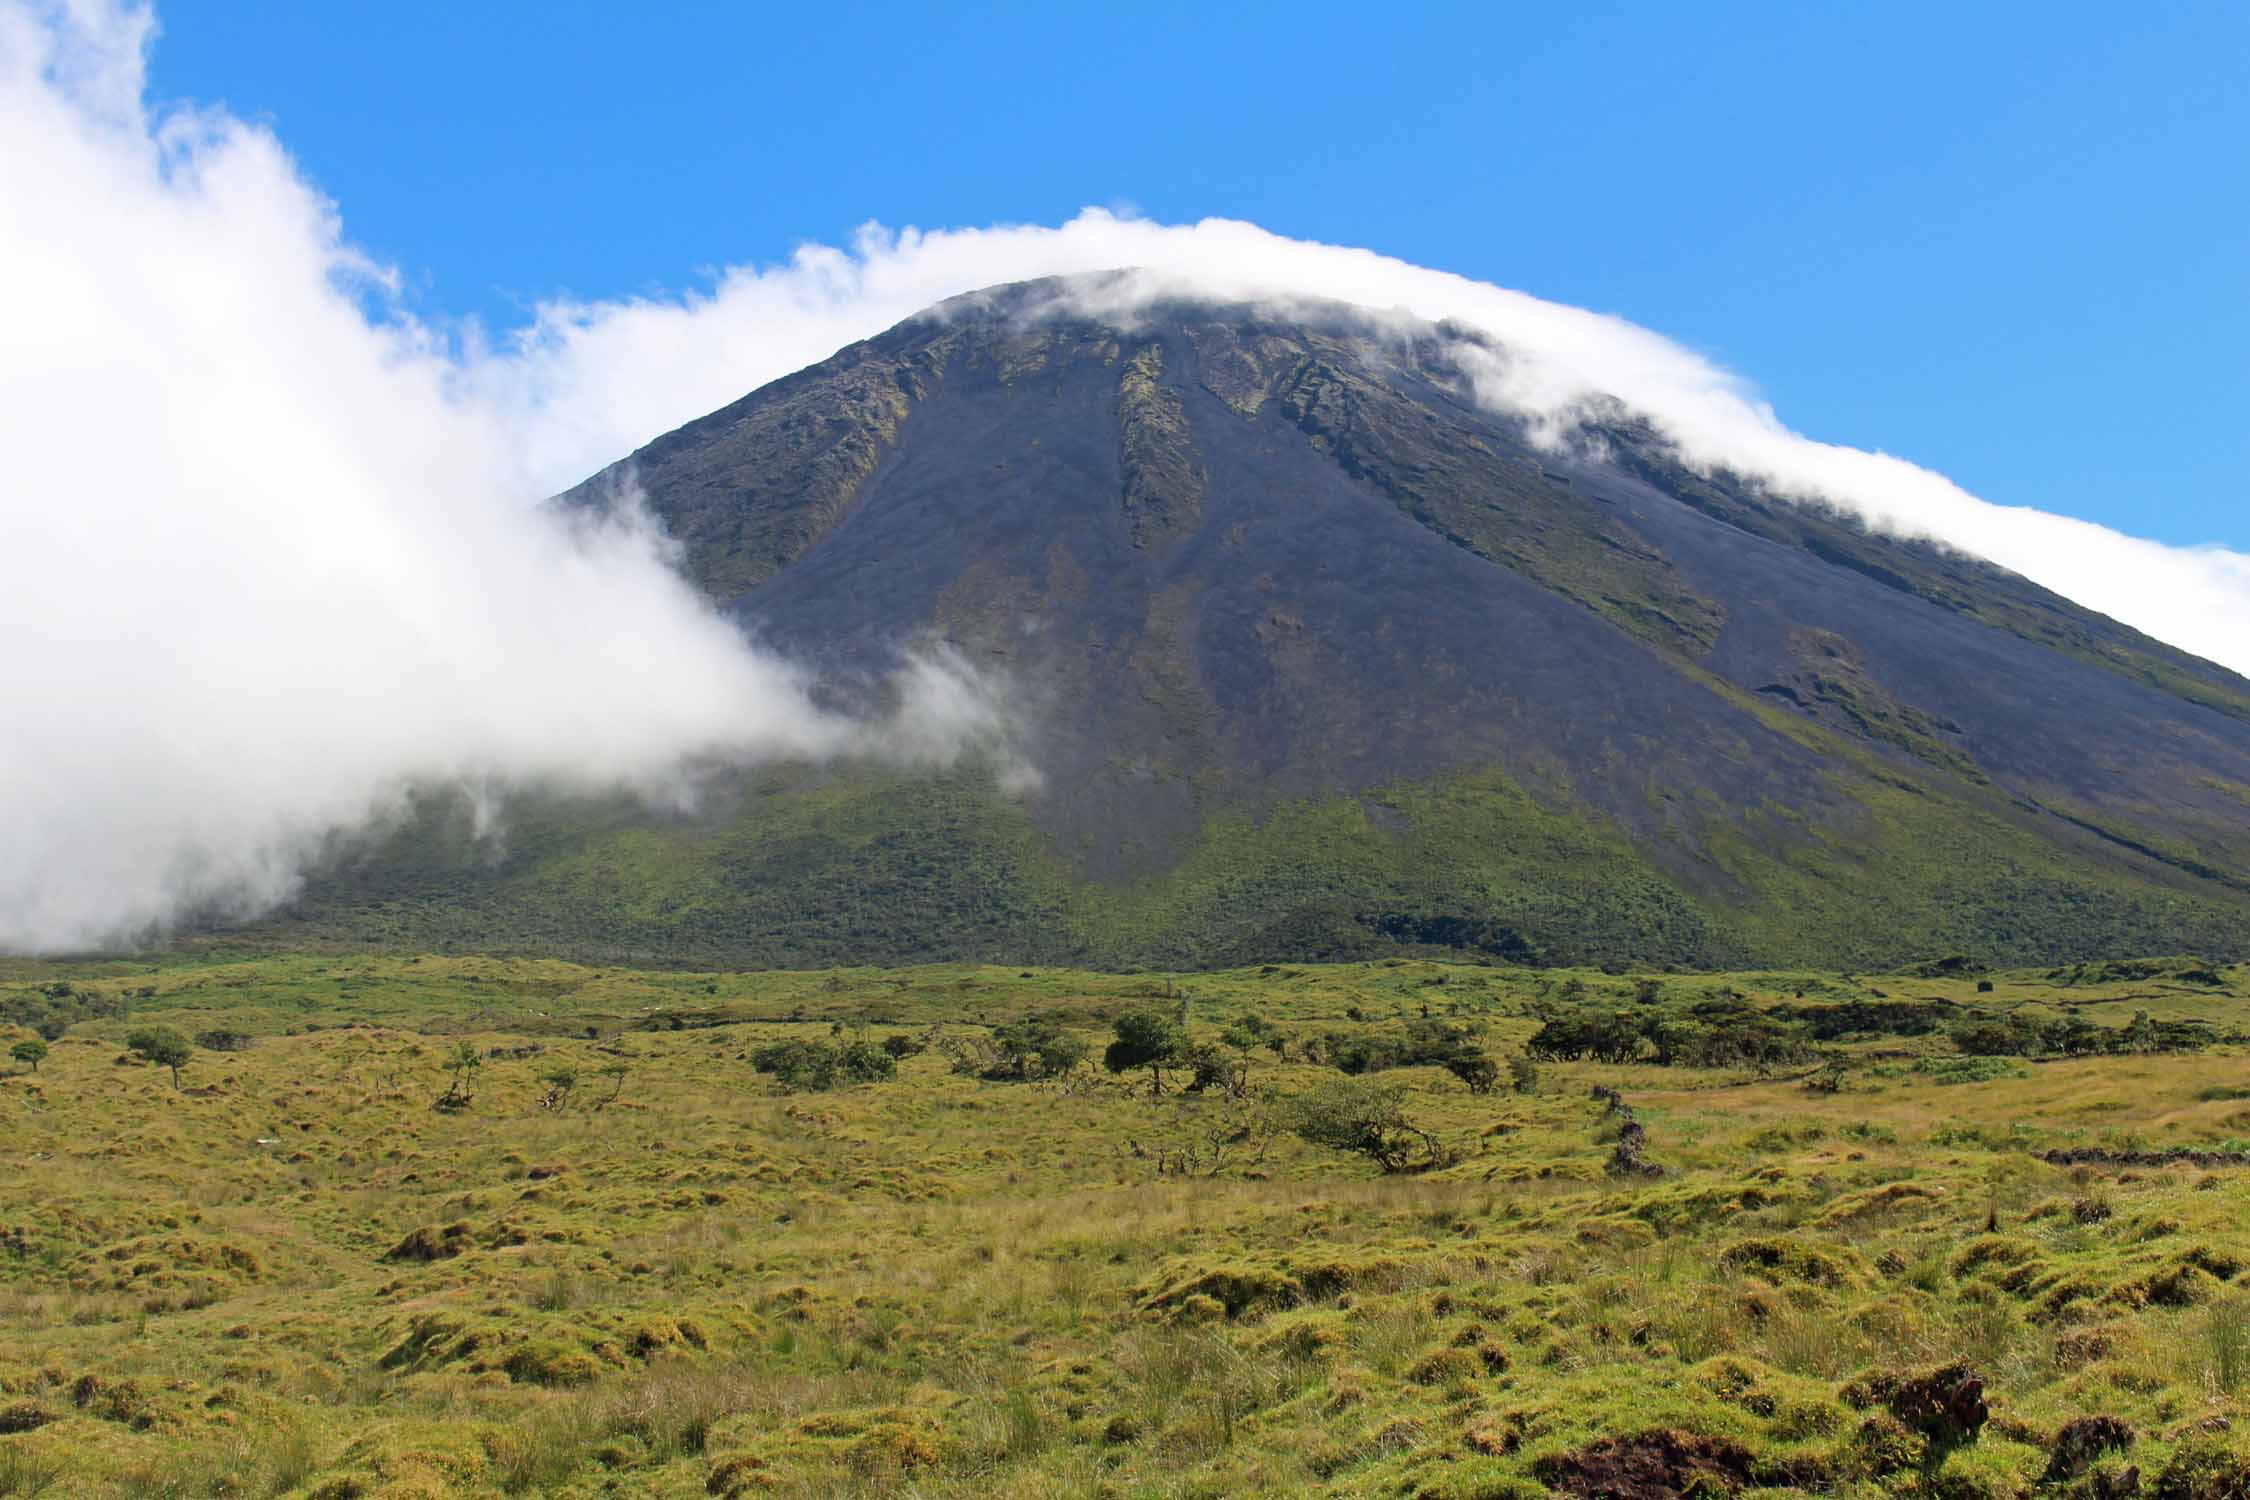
{"points": [[294, 1276]]}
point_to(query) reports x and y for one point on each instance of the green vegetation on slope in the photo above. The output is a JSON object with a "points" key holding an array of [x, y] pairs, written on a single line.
{"points": [[801, 868]]}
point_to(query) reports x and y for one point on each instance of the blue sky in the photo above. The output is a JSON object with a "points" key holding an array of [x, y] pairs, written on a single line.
{"points": [[2010, 242]]}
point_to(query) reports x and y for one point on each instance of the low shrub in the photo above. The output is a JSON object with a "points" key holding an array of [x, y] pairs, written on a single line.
{"points": [[812, 1067]]}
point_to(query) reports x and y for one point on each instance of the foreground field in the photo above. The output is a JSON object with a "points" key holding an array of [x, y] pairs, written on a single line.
{"points": [[625, 1262]]}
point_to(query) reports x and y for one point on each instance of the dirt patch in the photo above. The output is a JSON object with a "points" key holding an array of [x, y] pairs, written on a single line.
{"points": [[1655, 1465]]}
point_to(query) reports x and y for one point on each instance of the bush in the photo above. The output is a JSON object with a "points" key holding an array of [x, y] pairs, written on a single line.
{"points": [[1145, 1039], [1995, 1038], [1037, 1047], [1724, 1031], [1967, 1069], [461, 1064], [161, 1046], [1424, 1042], [1248, 1033], [797, 1064], [1569, 1035], [1785, 1258], [223, 1040], [1475, 1069], [1845, 1019], [1213, 1068], [1349, 1114], [53, 1009], [811, 1067], [1446, 1367]]}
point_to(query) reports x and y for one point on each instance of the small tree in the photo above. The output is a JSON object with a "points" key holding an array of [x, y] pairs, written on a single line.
{"points": [[1209, 1141], [1217, 1068], [1036, 1047], [560, 1080], [1144, 1039], [808, 1067], [2139, 1035], [1997, 1037], [1475, 1069], [615, 1072], [1245, 1033], [460, 1064], [1361, 1115], [1523, 1074], [30, 1053], [162, 1046], [2075, 1036], [865, 1062], [1568, 1035], [1353, 1052], [797, 1064], [1453, 1048]]}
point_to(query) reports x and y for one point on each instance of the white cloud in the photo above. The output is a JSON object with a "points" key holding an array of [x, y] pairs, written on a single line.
{"points": [[272, 551], [266, 564], [594, 380]]}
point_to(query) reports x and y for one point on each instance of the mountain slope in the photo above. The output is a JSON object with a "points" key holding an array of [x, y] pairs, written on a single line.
{"points": [[1318, 657]]}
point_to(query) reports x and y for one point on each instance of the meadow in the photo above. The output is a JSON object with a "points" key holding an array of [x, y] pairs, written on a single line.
{"points": [[415, 1227]]}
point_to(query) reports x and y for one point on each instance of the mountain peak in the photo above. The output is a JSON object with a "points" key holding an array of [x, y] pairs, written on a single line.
{"points": [[1324, 653]]}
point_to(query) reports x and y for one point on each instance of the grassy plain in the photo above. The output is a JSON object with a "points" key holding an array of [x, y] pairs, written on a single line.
{"points": [[294, 1277]]}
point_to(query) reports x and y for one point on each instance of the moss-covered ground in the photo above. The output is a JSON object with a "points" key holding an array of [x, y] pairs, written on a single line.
{"points": [[294, 1275]]}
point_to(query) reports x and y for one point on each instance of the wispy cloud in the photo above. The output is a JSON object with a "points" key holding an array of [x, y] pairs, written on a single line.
{"points": [[593, 379]]}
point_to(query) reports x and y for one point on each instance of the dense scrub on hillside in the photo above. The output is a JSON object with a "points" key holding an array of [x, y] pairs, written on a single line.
{"points": [[455, 1227], [1730, 1030], [813, 868]]}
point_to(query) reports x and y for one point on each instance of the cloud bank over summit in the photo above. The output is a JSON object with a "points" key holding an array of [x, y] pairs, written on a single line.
{"points": [[277, 552], [594, 379]]}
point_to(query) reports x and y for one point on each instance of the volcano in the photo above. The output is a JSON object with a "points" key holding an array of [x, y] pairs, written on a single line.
{"points": [[1319, 656]]}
